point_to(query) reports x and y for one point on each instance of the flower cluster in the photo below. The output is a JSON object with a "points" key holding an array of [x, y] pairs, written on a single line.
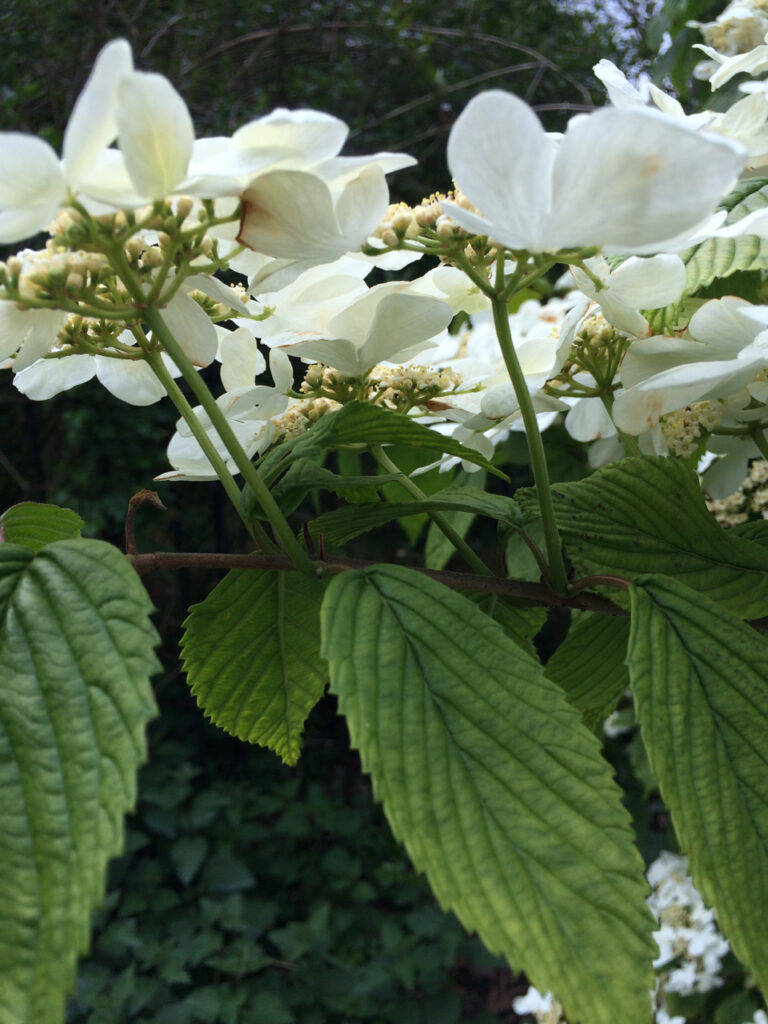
{"points": [[691, 948], [143, 216]]}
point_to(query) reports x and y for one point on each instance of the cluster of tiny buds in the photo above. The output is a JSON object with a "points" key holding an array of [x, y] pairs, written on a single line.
{"points": [[750, 501], [81, 331], [596, 349], [324, 381], [404, 222], [403, 387], [685, 428], [301, 417], [49, 273]]}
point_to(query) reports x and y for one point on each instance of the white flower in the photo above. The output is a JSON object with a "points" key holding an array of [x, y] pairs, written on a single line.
{"points": [[315, 297], [745, 121], [619, 178], [753, 63], [636, 284], [295, 216], [532, 1002], [662, 374], [386, 323], [33, 181], [249, 411], [130, 380]]}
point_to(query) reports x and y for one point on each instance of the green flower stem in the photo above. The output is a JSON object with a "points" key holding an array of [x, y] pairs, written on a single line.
{"points": [[263, 495], [535, 446], [154, 358], [759, 438], [185, 410], [437, 518]]}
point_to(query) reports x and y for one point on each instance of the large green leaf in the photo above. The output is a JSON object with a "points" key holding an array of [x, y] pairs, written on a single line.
{"points": [[34, 525], [589, 665], [495, 786], [700, 680], [251, 651], [645, 515], [76, 655], [345, 523]]}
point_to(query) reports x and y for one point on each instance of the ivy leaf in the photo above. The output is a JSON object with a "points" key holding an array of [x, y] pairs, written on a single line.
{"points": [[699, 680], [34, 525], [589, 665], [495, 786], [76, 655], [647, 514], [251, 651]]}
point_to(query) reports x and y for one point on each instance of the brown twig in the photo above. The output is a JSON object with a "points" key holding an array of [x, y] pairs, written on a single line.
{"points": [[537, 593], [142, 497]]}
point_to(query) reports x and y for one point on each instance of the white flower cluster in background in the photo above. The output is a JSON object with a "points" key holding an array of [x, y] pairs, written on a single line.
{"points": [[691, 948]]}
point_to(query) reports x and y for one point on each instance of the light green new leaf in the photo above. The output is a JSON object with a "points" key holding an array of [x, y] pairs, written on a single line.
{"points": [[700, 680], [76, 655], [647, 515], [251, 651], [34, 525], [495, 786], [589, 665]]}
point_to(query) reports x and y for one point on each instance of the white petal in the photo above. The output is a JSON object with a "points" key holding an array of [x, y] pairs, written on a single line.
{"points": [[308, 133], [639, 408], [725, 324], [622, 316], [92, 125], [361, 206], [502, 160], [241, 360], [155, 133], [648, 283], [31, 185], [42, 328], [14, 326], [130, 380], [191, 328], [290, 214], [216, 290], [621, 92], [47, 377], [641, 165], [588, 419]]}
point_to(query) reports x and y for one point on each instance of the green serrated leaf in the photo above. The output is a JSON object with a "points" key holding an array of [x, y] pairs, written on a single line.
{"points": [[589, 665], [76, 655], [495, 786], [251, 651], [360, 423], [520, 623], [34, 525], [700, 683], [307, 474], [438, 549], [343, 524], [647, 514]]}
